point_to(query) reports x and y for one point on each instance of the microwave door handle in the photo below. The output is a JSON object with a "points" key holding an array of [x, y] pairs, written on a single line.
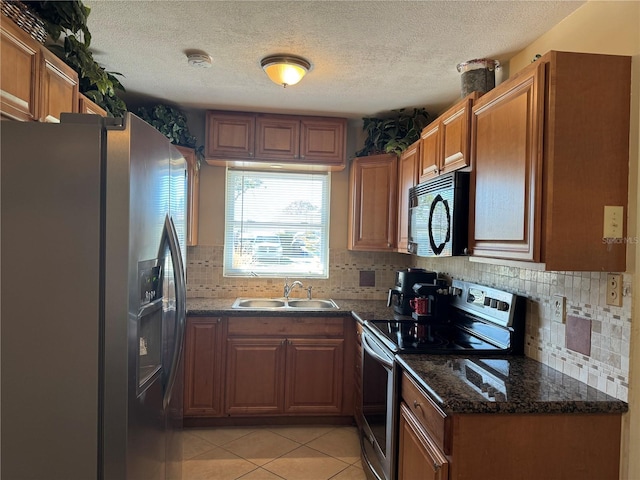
{"points": [[181, 300], [371, 350]]}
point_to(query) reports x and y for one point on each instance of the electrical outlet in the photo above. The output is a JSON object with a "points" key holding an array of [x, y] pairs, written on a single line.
{"points": [[614, 289], [558, 308]]}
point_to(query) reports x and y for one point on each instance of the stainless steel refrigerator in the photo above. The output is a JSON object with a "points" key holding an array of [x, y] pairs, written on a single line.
{"points": [[93, 300]]}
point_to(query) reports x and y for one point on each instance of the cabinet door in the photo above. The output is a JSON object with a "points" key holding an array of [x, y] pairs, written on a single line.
{"points": [[373, 199], [505, 179], [277, 138], [455, 126], [230, 135], [255, 376], [58, 88], [323, 141], [19, 75], [418, 457], [86, 105], [203, 367], [430, 151], [407, 178], [314, 375], [193, 194]]}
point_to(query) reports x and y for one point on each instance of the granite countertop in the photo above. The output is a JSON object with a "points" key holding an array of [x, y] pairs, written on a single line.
{"points": [[523, 385]]}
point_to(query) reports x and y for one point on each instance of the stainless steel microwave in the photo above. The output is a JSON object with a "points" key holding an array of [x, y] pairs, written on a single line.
{"points": [[439, 216]]}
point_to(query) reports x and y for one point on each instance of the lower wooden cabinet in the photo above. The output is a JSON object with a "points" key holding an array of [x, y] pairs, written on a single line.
{"points": [[419, 457], [271, 373], [203, 367], [503, 446], [269, 366], [284, 375]]}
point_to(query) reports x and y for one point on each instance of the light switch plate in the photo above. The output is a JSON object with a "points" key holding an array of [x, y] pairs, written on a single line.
{"points": [[613, 220]]}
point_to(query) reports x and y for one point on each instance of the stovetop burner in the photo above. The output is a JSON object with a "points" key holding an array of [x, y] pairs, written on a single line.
{"points": [[480, 320]]}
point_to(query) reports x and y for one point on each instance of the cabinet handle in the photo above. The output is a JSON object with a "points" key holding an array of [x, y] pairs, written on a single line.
{"points": [[416, 404]]}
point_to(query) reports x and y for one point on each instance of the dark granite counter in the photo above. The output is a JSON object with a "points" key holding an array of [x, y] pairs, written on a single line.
{"points": [[525, 385], [521, 385]]}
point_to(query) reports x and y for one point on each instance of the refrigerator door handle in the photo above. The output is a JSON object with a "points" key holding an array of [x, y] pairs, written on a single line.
{"points": [[181, 300]]}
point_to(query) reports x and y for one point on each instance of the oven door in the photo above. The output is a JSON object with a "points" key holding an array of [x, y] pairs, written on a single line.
{"points": [[379, 402]]}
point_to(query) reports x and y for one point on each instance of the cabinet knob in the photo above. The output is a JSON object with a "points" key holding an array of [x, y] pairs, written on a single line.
{"points": [[416, 404]]}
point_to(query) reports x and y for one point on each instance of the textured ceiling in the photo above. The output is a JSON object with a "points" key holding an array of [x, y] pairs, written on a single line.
{"points": [[367, 57]]}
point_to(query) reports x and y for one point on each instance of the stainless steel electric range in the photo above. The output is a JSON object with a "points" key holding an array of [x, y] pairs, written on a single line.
{"points": [[471, 320]]}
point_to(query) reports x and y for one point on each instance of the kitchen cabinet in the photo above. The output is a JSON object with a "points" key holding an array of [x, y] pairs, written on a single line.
{"points": [[446, 142], [20, 72], [230, 135], [193, 193], [36, 85], [86, 105], [419, 458], [551, 150], [58, 88], [408, 164], [373, 210], [203, 367], [286, 366], [501, 446], [248, 140]]}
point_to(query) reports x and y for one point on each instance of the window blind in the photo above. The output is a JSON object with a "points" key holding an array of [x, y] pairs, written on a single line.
{"points": [[277, 224]]}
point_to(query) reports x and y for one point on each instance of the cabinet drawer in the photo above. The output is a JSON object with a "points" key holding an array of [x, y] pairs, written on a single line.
{"points": [[426, 412], [287, 326]]}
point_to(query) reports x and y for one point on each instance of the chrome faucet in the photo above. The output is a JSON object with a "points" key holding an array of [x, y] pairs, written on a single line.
{"points": [[288, 288]]}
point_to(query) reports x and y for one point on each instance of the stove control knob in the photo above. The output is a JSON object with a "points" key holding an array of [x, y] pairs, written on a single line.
{"points": [[494, 303], [455, 291], [487, 300], [503, 306]]}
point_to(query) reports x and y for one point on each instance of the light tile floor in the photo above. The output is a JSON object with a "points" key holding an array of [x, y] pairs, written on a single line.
{"points": [[272, 453]]}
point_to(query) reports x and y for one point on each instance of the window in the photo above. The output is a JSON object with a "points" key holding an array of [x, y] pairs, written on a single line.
{"points": [[277, 224]]}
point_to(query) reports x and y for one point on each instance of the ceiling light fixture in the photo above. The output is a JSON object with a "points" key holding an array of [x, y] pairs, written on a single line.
{"points": [[285, 69]]}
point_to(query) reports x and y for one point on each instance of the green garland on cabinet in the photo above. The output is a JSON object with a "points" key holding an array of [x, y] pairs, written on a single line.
{"points": [[68, 19], [172, 123]]}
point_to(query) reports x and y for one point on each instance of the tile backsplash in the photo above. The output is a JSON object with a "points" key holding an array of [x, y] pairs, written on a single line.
{"points": [[606, 368]]}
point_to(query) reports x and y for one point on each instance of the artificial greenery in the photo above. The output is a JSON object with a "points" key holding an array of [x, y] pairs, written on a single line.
{"points": [[172, 123], [69, 18], [393, 134]]}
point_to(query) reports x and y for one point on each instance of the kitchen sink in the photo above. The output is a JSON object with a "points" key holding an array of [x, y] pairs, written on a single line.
{"points": [[312, 304], [284, 304], [258, 303]]}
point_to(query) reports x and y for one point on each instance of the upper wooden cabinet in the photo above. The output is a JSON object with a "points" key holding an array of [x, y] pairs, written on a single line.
{"points": [[86, 105], [551, 151], [193, 193], [408, 164], [373, 186], [230, 135], [247, 139], [58, 88], [446, 142], [20, 72], [36, 85]]}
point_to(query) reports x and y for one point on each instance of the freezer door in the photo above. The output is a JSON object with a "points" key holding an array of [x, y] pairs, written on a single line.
{"points": [[140, 247]]}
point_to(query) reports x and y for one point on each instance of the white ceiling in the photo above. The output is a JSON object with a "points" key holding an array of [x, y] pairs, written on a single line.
{"points": [[367, 57]]}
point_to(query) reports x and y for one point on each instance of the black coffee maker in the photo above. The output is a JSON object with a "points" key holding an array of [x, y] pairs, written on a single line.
{"points": [[402, 293]]}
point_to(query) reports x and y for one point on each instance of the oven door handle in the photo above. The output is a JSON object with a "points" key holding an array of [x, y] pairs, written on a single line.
{"points": [[372, 350]]}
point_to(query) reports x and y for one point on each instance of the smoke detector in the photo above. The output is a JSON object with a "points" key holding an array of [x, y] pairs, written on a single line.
{"points": [[199, 60]]}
